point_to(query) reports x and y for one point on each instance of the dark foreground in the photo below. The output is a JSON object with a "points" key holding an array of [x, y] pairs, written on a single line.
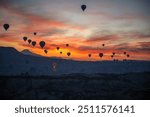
{"points": [[77, 86]]}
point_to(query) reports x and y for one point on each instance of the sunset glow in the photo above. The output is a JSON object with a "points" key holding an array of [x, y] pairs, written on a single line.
{"points": [[123, 26]]}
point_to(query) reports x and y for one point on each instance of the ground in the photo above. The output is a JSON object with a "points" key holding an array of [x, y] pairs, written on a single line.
{"points": [[77, 86]]}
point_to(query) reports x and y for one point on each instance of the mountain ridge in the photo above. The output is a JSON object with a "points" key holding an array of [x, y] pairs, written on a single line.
{"points": [[13, 62]]}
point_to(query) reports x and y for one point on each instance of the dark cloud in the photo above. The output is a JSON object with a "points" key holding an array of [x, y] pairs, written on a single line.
{"points": [[138, 47]]}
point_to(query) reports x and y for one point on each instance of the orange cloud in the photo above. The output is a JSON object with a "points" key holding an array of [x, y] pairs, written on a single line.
{"points": [[78, 46]]}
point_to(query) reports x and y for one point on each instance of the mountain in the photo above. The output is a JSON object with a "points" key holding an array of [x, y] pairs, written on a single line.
{"points": [[28, 52], [13, 62]]}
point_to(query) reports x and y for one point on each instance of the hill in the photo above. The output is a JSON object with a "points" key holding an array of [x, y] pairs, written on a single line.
{"points": [[13, 62], [28, 52]]}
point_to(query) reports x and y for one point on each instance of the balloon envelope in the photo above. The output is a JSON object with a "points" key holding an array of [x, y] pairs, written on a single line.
{"points": [[29, 41], [101, 55], [58, 48], [42, 44], [67, 45], [68, 53], [6, 26], [46, 51], [90, 55], [33, 43], [83, 7], [113, 53], [25, 38], [34, 33], [111, 56], [60, 52]]}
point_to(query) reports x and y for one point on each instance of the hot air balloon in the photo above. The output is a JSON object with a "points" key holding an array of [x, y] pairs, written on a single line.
{"points": [[60, 52], [83, 7], [67, 45], [111, 56], [29, 41], [33, 43], [68, 53], [42, 44], [6, 26], [125, 53], [128, 55], [54, 65], [57, 48], [89, 55], [46, 51], [25, 38], [103, 45], [34, 33], [113, 53], [101, 55]]}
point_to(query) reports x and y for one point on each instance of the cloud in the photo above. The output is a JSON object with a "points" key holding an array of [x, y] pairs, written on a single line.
{"points": [[138, 35], [104, 38]]}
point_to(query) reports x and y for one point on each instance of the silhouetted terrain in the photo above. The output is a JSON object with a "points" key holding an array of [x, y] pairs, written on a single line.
{"points": [[33, 77], [15, 63], [77, 86]]}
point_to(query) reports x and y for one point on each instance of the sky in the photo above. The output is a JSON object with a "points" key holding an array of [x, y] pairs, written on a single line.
{"points": [[122, 25]]}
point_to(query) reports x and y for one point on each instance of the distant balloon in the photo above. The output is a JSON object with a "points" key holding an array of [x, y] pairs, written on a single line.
{"points": [[29, 41], [6, 26], [67, 45], [42, 44], [33, 43], [68, 53], [60, 52], [111, 56], [125, 53], [113, 53], [46, 51], [89, 55], [103, 45], [58, 48], [34, 33], [54, 65], [83, 7], [128, 55], [101, 55], [25, 38]]}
